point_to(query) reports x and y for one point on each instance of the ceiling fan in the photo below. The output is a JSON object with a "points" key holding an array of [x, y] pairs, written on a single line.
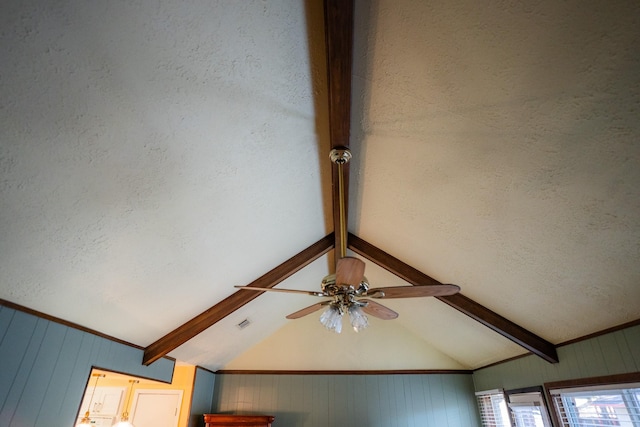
{"points": [[348, 289]]}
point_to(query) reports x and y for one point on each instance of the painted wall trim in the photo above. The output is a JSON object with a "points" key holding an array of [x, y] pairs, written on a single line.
{"points": [[569, 342], [60, 321], [602, 332], [370, 372]]}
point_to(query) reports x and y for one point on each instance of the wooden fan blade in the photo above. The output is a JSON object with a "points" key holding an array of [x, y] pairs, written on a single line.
{"points": [[308, 310], [378, 310], [413, 291], [349, 271], [291, 291]]}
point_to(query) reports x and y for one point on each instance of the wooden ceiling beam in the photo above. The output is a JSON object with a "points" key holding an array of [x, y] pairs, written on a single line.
{"points": [[339, 45], [490, 319], [203, 321]]}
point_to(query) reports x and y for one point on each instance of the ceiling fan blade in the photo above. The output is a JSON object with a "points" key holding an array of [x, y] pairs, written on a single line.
{"points": [[291, 291], [378, 310], [349, 271], [413, 291], [308, 310]]}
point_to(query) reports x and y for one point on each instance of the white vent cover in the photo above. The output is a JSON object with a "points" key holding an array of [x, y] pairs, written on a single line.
{"points": [[244, 323]]}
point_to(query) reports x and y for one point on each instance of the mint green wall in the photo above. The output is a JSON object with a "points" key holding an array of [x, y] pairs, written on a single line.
{"points": [[430, 400], [614, 353], [202, 396], [44, 368]]}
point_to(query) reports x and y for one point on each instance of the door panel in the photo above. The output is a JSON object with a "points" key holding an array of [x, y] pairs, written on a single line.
{"points": [[156, 408]]}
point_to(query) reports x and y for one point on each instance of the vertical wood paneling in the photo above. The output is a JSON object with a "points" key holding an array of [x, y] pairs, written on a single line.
{"points": [[58, 389], [468, 405], [614, 353], [16, 389], [39, 379], [372, 384], [418, 402], [321, 396], [596, 357], [632, 338], [5, 318], [609, 352], [80, 373], [453, 409], [203, 385], [307, 398], [45, 367], [630, 365], [397, 387], [351, 400], [438, 403], [339, 399], [13, 346], [385, 404]]}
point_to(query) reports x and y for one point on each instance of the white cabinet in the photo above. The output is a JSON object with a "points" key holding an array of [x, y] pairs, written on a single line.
{"points": [[106, 401]]}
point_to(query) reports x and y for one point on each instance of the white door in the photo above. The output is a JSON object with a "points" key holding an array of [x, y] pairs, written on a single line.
{"points": [[156, 408]]}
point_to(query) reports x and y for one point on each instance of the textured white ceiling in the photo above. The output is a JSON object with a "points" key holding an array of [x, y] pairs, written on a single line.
{"points": [[154, 155]]}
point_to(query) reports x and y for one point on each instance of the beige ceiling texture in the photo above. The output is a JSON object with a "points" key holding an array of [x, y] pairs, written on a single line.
{"points": [[155, 154]]}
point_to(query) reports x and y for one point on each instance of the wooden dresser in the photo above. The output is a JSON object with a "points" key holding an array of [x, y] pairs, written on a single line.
{"points": [[227, 420]]}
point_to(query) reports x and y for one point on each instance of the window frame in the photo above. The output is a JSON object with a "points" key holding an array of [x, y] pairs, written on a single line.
{"points": [[597, 383]]}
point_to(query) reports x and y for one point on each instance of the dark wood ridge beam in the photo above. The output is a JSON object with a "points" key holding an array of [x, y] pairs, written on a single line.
{"points": [[492, 320], [338, 21], [230, 304]]}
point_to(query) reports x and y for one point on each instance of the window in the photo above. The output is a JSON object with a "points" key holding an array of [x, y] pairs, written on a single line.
{"points": [[493, 408], [528, 407], [601, 405]]}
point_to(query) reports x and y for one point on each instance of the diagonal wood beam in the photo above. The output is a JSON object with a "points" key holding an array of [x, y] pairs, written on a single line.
{"points": [[230, 304], [491, 319], [339, 45]]}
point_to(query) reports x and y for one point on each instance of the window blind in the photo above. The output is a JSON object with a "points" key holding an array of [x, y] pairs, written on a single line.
{"points": [[528, 409], [493, 409], [594, 407], [527, 415]]}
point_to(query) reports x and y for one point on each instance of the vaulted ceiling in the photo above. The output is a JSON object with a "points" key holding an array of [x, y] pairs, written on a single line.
{"points": [[155, 155]]}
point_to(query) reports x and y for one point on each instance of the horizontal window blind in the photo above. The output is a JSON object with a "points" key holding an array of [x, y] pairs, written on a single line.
{"points": [[598, 407], [493, 409]]}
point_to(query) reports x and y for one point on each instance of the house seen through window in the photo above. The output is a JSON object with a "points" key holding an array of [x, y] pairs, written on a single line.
{"points": [[614, 405]]}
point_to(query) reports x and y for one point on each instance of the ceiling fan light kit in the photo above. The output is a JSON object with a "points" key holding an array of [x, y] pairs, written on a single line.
{"points": [[331, 318], [348, 283]]}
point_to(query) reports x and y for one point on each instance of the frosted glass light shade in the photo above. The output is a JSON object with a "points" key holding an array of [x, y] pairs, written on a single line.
{"points": [[332, 319], [359, 320]]}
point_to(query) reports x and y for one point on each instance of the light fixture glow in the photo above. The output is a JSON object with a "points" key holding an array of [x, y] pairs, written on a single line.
{"points": [[86, 421], [124, 419], [332, 318], [359, 320]]}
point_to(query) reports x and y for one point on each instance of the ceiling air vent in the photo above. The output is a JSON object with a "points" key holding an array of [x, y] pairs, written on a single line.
{"points": [[244, 324]]}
